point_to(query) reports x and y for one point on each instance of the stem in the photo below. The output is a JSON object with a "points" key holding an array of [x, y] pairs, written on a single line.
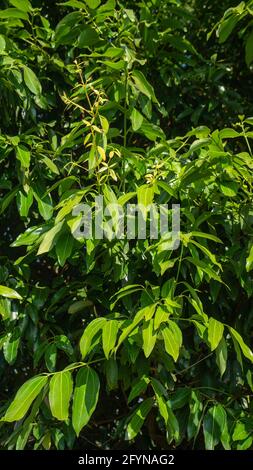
{"points": [[76, 366], [125, 132], [180, 261]]}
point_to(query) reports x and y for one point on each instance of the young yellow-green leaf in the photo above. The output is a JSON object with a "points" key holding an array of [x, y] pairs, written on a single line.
{"points": [[109, 336], [208, 236], [23, 5], [161, 316], [93, 4], [149, 311], [138, 418], [13, 13], [24, 398], [32, 81], [104, 122], [136, 119], [215, 332], [85, 397], [60, 391], [51, 165], [245, 349], [64, 246], [9, 293], [149, 337], [172, 337], [143, 85], [145, 195], [2, 43], [49, 239], [24, 156], [90, 331]]}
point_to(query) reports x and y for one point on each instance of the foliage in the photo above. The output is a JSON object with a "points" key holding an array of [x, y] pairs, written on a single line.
{"points": [[124, 343]]}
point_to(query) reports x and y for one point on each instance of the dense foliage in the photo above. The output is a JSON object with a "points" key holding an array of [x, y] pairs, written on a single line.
{"points": [[117, 343]]}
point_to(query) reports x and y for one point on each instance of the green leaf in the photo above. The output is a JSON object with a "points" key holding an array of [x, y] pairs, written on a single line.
{"points": [[10, 348], [228, 133], [64, 246], [138, 388], [246, 444], [24, 398], [48, 240], [32, 81], [112, 373], [109, 336], [93, 4], [161, 316], [229, 188], [124, 291], [208, 236], [214, 423], [249, 260], [145, 195], [13, 13], [149, 337], [88, 37], [136, 119], [60, 391], [138, 418], [130, 327], [215, 332], [24, 202], [151, 131], [23, 5], [240, 432], [221, 356], [85, 397], [226, 27], [245, 349], [50, 357], [90, 331], [45, 205], [165, 410], [66, 31], [249, 49], [2, 43], [51, 165], [24, 156], [172, 337], [143, 85], [9, 293], [205, 268], [207, 252], [180, 398]]}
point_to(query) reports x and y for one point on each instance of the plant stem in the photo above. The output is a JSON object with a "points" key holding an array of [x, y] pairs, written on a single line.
{"points": [[125, 132]]}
